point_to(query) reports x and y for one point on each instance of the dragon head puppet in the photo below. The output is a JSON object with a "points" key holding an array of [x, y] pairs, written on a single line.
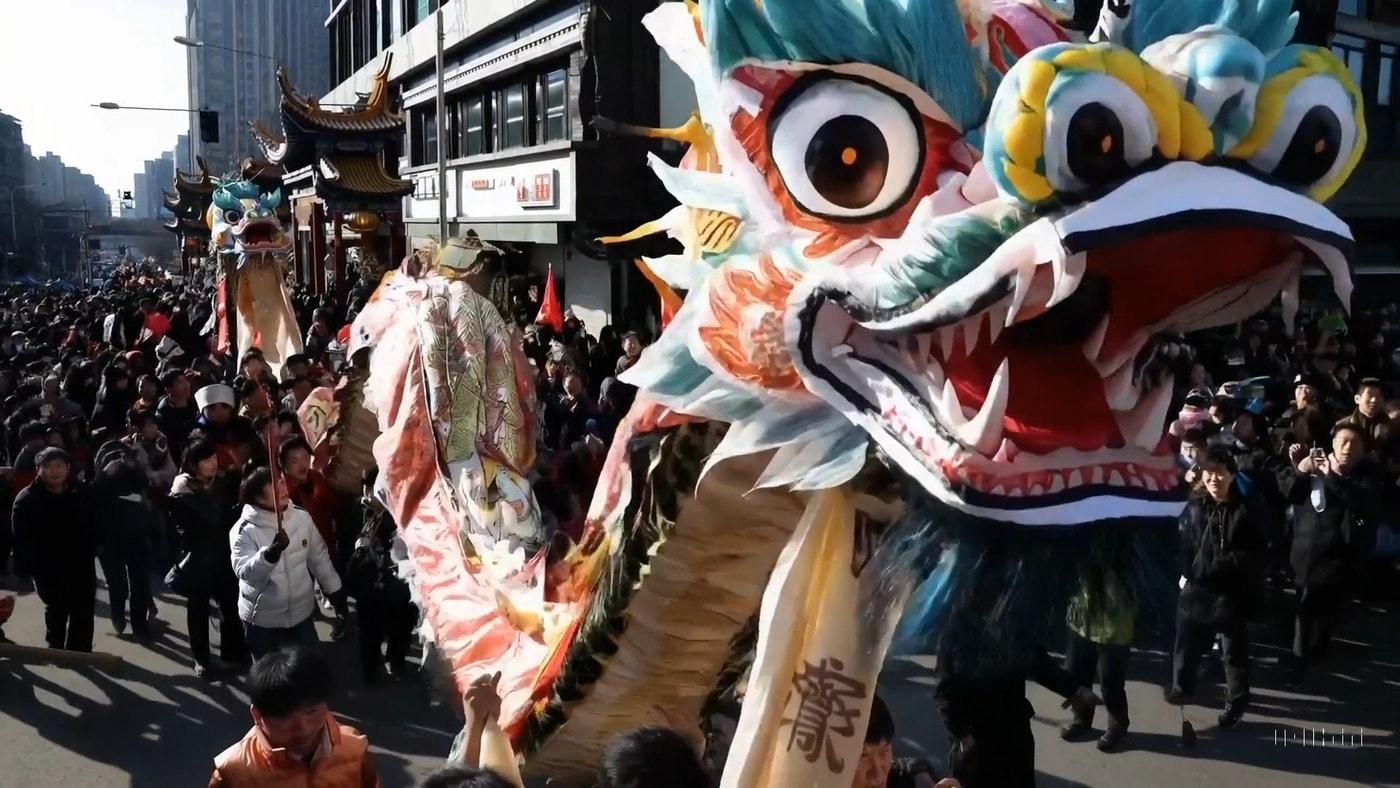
{"points": [[971, 271], [244, 220], [252, 301]]}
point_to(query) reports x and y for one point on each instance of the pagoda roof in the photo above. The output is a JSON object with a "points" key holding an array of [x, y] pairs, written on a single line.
{"points": [[264, 173], [201, 182], [358, 175], [374, 114], [188, 227], [274, 145], [309, 130], [190, 200]]}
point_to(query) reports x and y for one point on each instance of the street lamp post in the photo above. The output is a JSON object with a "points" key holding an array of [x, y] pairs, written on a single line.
{"points": [[441, 122], [186, 41], [115, 105], [10, 195]]}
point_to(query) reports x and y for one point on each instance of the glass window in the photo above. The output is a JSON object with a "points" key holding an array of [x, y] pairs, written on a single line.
{"points": [[1352, 51], [415, 11], [474, 138], [1385, 80], [510, 117], [423, 148], [1352, 7], [552, 107]]}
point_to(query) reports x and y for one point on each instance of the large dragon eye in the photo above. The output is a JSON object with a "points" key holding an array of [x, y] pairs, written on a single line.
{"points": [[1314, 138], [1096, 131], [232, 216], [847, 149]]}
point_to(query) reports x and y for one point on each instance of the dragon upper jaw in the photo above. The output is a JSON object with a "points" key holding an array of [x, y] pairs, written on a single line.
{"points": [[260, 235], [1077, 303]]}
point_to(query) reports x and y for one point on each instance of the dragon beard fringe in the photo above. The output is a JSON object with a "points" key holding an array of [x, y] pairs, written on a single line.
{"points": [[989, 597]]}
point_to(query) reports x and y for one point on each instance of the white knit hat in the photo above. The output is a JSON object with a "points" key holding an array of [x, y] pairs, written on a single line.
{"points": [[213, 395]]}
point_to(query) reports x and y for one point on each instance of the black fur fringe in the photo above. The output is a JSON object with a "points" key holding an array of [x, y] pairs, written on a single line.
{"points": [[989, 597]]}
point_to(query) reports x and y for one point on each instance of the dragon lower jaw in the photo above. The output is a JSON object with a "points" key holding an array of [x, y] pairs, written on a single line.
{"points": [[1086, 310]]}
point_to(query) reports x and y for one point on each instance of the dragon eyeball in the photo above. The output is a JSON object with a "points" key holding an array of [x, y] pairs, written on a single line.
{"points": [[1314, 138], [847, 149], [1097, 130]]}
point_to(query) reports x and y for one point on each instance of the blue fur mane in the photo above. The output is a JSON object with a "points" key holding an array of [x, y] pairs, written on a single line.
{"points": [[920, 40], [230, 194], [1267, 24]]}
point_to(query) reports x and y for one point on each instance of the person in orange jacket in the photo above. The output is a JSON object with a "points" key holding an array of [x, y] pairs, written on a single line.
{"points": [[295, 741]]}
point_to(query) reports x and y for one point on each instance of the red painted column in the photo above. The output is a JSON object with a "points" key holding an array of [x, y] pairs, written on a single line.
{"points": [[318, 249], [340, 288]]}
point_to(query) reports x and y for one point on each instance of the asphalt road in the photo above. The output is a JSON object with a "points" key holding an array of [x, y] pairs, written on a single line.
{"points": [[152, 723]]}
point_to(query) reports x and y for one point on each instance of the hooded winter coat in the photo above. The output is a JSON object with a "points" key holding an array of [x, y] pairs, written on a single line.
{"points": [[279, 595]]}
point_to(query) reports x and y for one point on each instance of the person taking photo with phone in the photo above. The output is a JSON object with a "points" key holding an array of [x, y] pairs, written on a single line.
{"points": [[1336, 497]]}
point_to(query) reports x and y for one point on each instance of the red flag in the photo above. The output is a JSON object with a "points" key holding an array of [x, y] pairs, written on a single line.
{"points": [[551, 313]]}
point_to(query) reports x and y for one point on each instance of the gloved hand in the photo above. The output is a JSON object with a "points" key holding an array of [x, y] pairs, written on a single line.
{"points": [[341, 604], [273, 552]]}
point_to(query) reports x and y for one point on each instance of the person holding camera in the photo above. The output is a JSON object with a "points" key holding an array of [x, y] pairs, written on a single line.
{"points": [[1336, 497]]}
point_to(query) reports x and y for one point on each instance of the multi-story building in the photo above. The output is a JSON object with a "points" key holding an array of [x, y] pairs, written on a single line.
{"points": [[1367, 39], [12, 181], [234, 72], [184, 154], [526, 170], [48, 175], [149, 186]]}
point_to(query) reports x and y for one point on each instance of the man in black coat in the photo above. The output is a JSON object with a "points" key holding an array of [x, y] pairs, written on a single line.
{"points": [[1221, 552], [1308, 418], [56, 544], [1337, 499], [128, 527], [1260, 470]]}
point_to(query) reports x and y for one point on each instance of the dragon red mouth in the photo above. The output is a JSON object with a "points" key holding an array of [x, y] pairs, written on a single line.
{"points": [[1071, 395], [1080, 374], [261, 235], [1032, 388]]}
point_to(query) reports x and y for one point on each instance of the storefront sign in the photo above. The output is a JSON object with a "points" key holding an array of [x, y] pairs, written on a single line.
{"points": [[541, 190]]}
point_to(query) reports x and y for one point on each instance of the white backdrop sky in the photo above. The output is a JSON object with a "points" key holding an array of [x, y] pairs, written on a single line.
{"points": [[59, 56]]}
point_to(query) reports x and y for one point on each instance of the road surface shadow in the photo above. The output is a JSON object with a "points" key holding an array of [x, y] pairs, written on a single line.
{"points": [[1339, 724], [164, 728]]}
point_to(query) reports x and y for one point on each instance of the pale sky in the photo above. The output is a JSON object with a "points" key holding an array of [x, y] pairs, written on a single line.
{"points": [[59, 56]]}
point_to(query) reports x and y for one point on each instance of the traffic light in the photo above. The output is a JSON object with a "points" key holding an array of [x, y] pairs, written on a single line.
{"points": [[208, 126]]}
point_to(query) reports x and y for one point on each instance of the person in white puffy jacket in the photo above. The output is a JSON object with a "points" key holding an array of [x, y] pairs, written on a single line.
{"points": [[275, 567]]}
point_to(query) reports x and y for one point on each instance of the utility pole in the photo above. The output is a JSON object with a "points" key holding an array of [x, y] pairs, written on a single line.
{"points": [[441, 139]]}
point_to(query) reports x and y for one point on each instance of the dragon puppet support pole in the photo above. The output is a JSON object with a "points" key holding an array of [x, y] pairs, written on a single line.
{"points": [[818, 656]]}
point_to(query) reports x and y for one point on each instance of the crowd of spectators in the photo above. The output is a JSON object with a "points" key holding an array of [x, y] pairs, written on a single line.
{"points": [[113, 399]]}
